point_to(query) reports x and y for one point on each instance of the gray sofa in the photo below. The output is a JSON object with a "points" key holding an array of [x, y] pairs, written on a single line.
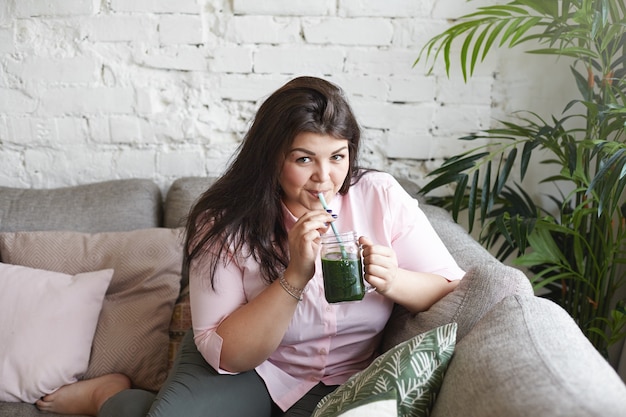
{"points": [[516, 354]]}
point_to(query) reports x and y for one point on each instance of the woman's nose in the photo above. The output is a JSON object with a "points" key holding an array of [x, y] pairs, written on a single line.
{"points": [[322, 172]]}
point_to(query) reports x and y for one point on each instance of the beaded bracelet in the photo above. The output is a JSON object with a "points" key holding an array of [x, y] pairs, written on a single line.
{"points": [[291, 290]]}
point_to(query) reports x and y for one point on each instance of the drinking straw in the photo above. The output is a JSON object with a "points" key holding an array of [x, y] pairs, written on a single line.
{"points": [[344, 254]]}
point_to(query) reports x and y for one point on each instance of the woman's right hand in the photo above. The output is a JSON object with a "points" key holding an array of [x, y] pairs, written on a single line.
{"points": [[304, 245]]}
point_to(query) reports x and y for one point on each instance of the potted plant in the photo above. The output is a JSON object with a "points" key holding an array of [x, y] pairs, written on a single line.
{"points": [[574, 245]]}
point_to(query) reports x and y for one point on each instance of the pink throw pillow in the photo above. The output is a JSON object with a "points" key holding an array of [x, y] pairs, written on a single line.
{"points": [[47, 322]]}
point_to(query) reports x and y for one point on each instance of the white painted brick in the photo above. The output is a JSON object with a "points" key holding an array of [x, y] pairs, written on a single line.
{"points": [[416, 32], [124, 129], [387, 8], [12, 169], [362, 86], [231, 59], [35, 8], [357, 31], [412, 88], [18, 129], [219, 157], [225, 116], [36, 131], [409, 145], [115, 28], [7, 46], [44, 131], [299, 60], [263, 29], [47, 37], [453, 9], [156, 6], [180, 29], [454, 90], [135, 163], [460, 120], [184, 58], [447, 146], [71, 130], [182, 162], [521, 76], [56, 167], [414, 117], [55, 101], [16, 101], [170, 129], [160, 91], [4, 129], [379, 62], [243, 87], [6, 10], [145, 99], [99, 128], [74, 70], [130, 130], [285, 7]]}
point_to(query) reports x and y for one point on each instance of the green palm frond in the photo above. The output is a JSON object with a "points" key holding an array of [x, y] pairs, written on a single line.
{"points": [[574, 241]]}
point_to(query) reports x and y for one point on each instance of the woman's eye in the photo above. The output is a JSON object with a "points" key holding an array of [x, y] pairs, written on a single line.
{"points": [[338, 157], [303, 160]]}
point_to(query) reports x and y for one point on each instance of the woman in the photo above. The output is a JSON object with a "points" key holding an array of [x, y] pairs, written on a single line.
{"points": [[265, 341]]}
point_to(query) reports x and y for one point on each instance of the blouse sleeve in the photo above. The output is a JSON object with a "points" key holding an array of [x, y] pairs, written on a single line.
{"points": [[210, 307], [415, 241]]}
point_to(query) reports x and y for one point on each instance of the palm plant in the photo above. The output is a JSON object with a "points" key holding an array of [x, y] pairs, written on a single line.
{"points": [[574, 244]]}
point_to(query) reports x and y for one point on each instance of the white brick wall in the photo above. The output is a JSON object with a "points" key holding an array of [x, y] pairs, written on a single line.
{"points": [[92, 90]]}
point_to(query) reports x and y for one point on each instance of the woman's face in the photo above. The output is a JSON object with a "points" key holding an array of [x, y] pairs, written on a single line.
{"points": [[315, 163]]}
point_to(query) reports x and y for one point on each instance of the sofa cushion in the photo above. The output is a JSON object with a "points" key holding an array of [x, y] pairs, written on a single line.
{"points": [[48, 320], [180, 197], [414, 370], [527, 357], [482, 287], [132, 333], [99, 207]]}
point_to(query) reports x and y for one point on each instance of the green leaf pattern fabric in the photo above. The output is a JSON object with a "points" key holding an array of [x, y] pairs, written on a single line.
{"points": [[414, 370]]}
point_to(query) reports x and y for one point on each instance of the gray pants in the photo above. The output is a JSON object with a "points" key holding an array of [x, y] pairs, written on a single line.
{"points": [[194, 389]]}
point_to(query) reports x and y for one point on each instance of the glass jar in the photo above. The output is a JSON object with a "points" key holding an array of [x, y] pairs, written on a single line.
{"points": [[342, 267]]}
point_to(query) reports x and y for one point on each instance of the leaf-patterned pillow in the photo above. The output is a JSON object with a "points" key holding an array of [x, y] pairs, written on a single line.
{"points": [[414, 370]]}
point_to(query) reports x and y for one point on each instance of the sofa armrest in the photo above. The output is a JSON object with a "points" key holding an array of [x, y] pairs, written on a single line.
{"points": [[527, 357], [482, 287]]}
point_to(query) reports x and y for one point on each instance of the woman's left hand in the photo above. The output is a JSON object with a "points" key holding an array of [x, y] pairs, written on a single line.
{"points": [[381, 265]]}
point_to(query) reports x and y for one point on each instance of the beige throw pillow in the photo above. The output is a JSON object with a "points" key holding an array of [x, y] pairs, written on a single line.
{"points": [[132, 332]]}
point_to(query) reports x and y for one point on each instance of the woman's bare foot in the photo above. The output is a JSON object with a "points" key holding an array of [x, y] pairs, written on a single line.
{"points": [[84, 397]]}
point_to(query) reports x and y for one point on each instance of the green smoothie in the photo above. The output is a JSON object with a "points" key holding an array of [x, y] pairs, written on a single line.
{"points": [[343, 278]]}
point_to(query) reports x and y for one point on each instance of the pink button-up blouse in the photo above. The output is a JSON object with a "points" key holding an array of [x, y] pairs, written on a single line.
{"points": [[325, 342]]}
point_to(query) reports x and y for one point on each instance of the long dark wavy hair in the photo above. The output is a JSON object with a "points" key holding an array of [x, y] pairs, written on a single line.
{"points": [[242, 209]]}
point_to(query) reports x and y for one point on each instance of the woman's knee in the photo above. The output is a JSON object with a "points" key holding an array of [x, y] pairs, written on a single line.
{"points": [[194, 388]]}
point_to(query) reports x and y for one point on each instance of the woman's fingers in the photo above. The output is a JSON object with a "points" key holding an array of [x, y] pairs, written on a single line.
{"points": [[304, 240], [380, 264]]}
